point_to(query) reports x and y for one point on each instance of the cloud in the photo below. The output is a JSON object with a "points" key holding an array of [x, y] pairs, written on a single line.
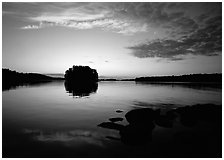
{"points": [[175, 19], [128, 18], [205, 41], [31, 27], [115, 25], [76, 15]]}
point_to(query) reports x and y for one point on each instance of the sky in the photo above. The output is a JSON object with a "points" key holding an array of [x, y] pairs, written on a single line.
{"points": [[126, 39]]}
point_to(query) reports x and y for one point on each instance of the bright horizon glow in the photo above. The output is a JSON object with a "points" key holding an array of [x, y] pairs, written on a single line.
{"points": [[116, 39]]}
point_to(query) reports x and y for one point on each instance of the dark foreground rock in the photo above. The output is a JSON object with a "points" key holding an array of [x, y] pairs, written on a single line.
{"points": [[190, 131], [141, 116]]}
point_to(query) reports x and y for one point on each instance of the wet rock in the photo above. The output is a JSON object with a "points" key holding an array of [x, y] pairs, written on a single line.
{"points": [[113, 138], [119, 111], [110, 125], [142, 116], [116, 119]]}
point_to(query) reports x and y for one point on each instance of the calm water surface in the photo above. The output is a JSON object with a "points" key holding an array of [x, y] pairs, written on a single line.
{"points": [[45, 120]]}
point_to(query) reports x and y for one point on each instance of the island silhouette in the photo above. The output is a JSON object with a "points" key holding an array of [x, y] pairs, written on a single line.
{"points": [[85, 77], [81, 75], [80, 81]]}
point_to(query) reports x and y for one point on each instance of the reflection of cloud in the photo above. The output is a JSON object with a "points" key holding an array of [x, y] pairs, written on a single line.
{"points": [[69, 137]]}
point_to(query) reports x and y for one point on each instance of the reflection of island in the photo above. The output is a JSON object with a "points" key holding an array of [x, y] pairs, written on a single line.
{"points": [[79, 89]]}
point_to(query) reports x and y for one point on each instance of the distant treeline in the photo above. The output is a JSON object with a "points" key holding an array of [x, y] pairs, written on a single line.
{"points": [[12, 79], [109, 79], [217, 77]]}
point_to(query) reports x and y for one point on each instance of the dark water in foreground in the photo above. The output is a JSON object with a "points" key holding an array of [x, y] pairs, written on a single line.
{"points": [[45, 120]]}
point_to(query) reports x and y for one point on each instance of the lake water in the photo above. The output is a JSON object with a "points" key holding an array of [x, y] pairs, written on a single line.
{"points": [[45, 120]]}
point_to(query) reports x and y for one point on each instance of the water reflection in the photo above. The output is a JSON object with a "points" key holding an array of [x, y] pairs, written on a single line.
{"points": [[70, 137], [196, 86], [139, 104], [9, 86], [80, 89], [58, 126], [43, 144]]}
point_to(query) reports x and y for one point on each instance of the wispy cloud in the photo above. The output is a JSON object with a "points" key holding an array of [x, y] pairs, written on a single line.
{"points": [[31, 27], [88, 22], [77, 16], [174, 19]]}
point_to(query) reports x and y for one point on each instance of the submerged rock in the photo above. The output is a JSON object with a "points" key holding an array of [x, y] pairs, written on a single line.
{"points": [[119, 111], [110, 125]]}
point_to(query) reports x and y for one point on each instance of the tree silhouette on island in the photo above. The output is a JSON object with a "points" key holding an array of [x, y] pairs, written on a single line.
{"points": [[80, 81], [81, 74]]}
